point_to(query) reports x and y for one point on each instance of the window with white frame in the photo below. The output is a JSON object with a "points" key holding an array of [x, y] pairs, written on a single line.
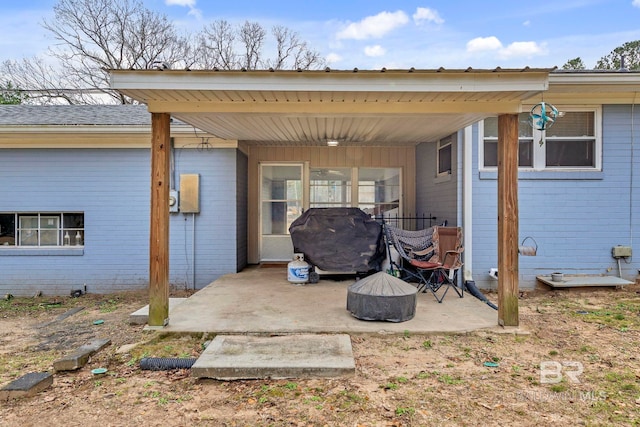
{"points": [[374, 190], [573, 142], [330, 187], [444, 156], [41, 229], [379, 190]]}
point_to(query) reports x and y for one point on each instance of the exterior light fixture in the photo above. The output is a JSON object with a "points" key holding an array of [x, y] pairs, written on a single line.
{"points": [[332, 143]]}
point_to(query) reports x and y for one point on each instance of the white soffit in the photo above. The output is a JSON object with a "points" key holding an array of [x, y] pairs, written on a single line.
{"points": [[309, 107]]}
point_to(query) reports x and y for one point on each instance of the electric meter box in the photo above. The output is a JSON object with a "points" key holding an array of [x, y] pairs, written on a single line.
{"points": [[173, 201], [190, 193]]}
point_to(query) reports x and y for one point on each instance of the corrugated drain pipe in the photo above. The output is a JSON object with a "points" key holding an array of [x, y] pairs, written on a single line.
{"points": [[165, 363]]}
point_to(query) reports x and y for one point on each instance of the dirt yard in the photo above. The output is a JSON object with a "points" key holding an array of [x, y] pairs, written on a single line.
{"points": [[579, 365]]}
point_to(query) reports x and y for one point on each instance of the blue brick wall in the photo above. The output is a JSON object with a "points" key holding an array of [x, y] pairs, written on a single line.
{"points": [[111, 187], [576, 218], [215, 225]]}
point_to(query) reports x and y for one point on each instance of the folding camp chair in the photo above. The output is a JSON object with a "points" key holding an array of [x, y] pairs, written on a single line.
{"points": [[407, 243], [447, 242], [432, 257]]}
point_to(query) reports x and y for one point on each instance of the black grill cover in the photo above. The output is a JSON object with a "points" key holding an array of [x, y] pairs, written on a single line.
{"points": [[382, 297], [339, 239]]}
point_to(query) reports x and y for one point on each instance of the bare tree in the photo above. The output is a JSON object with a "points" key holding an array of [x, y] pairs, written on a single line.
{"points": [[93, 37], [252, 36], [216, 43], [96, 36], [292, 51], [42, 83], [226, 47]]}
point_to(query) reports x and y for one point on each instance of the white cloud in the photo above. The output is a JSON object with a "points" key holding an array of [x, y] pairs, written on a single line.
{"points": [[332, 58], [636, 3], [424, 14], [527, 23], [523, 49], [191, 4], [514, 50], [376, 50], [481, 44], [374, 26], [186, 3]]}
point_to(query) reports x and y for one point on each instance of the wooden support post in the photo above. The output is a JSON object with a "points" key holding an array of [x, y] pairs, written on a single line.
{"points": [[159, 228], [508, 220]]}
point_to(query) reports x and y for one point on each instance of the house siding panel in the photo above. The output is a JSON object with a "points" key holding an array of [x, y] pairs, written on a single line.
{"points": [[112, 188], [215, 241], [575, 222], [438, 196]]}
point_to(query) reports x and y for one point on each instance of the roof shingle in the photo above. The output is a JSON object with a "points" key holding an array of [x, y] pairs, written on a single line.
{"points": [[74, 115]]}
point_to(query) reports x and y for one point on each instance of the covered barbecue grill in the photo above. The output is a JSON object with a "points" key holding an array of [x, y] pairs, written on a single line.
{"points": [[342, 240]]}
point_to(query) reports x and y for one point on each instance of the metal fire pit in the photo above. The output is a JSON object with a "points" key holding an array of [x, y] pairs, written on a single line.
{"points": [[382, 297]]}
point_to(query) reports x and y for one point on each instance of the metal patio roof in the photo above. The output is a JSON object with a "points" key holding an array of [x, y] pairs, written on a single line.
{"points": [[359, 107]]}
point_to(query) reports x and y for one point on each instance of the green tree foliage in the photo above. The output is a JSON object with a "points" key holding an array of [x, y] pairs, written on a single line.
{"points": [[613, 61], [574, 64], [9, 94]]}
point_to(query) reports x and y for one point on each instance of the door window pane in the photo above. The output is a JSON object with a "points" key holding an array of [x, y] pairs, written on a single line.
{"points": [[281, 197], [278, 216]]}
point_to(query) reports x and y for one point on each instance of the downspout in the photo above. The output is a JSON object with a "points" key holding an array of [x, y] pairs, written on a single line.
{"points": [[172, 164], [193, 250], [631, 176], [467, 203]]}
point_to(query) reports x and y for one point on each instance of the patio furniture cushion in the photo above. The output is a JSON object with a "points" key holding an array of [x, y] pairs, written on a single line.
{"points": [[381, 296], [423, 264]]}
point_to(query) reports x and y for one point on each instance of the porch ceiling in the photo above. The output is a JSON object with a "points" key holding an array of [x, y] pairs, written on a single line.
{"points": [[310, 107]]}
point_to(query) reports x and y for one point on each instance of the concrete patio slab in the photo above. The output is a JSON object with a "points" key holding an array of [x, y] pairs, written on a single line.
{"points": [[262, 301], [141, 316], [235, 357]]}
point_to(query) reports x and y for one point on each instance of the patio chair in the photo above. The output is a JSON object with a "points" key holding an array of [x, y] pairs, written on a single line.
{"points": [[448, 260], [409, 244], [432, 257]]}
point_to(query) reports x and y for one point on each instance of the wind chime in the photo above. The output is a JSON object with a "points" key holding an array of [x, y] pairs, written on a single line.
{"points": [[543, 116]]}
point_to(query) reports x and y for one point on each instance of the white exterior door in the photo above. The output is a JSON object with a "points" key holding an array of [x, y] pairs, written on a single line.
{"points": [[281, 202]]}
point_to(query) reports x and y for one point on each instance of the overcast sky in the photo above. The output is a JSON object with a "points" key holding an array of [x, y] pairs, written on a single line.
{"points": [[371, 34]]}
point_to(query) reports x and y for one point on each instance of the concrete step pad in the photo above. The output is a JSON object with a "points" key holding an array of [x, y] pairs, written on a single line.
{"points": [[235, 357]]}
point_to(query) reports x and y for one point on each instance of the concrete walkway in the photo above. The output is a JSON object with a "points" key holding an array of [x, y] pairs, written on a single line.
{"points": [[262, 301]]}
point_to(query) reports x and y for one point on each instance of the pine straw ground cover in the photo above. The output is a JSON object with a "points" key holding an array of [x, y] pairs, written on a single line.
{"points": [[577, 365]]}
